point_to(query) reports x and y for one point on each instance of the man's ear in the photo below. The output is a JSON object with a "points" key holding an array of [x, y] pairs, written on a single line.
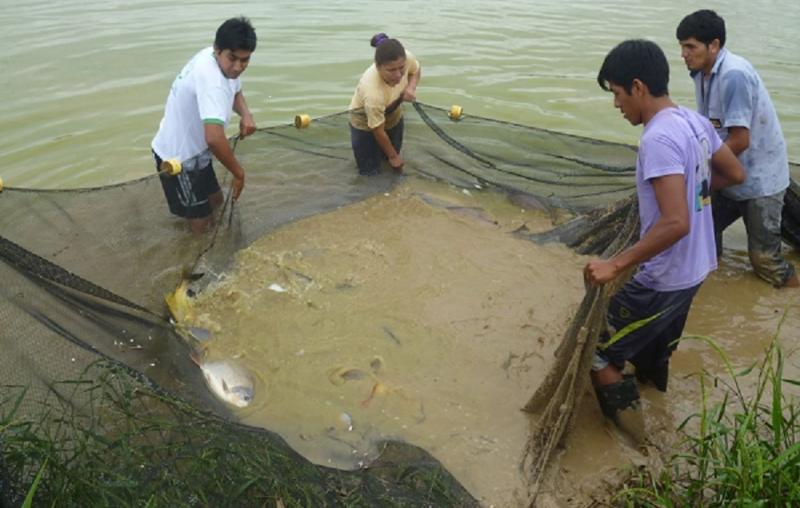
{"points": [[638, 88], [714, 47]]}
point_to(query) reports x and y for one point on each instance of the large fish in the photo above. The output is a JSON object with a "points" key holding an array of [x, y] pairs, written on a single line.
{"points": [[182, 312], [229, 381], [178, 302]]}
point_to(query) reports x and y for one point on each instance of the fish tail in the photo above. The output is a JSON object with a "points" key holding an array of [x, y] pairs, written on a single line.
{"points": [[365, 402]]}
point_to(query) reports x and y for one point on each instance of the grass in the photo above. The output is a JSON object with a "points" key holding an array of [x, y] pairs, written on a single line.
{"points": [[110, 438], [742, 451]]}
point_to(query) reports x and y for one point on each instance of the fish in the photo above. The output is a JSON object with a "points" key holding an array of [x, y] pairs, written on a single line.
{"points": [[389, 333], [229, 381], [338, 375], [376, 364], [378, 388], [182, 312], [527, 201], [471, 212], [347, 421], [178, 300], [178, 303]]}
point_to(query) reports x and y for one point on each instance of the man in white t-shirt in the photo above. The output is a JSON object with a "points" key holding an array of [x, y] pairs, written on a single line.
{"points": [[192, 130]]}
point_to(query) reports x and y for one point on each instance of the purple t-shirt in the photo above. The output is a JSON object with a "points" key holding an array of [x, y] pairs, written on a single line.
{"points": [[678, 141]]}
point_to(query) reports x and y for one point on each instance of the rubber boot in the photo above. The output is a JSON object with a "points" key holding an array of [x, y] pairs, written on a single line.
{"points": [[621, 403]]}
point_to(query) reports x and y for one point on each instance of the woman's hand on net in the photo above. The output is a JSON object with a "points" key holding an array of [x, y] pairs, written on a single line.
{"points": [[396, 163]]}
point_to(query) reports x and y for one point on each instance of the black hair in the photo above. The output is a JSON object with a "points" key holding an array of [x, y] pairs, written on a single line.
{"points": [[235, 34], [635, 59], [386, 48], [704, 25]]}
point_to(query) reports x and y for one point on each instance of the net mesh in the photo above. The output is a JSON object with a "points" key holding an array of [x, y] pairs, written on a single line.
{"points": [[100, 393]]}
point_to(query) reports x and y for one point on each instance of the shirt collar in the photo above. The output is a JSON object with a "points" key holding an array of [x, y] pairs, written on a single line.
{"points": [[717, 63], [720, 57]]}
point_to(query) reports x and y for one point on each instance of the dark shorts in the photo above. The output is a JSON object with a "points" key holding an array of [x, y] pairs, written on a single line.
{"points": [[187, 192], [643, 324], [366, 150]]}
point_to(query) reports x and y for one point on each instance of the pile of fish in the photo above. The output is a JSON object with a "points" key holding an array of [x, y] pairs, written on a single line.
{"points": [[226, 379]]}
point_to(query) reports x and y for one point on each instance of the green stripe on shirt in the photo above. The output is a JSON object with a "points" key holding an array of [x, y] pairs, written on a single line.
{"points": [[216, 121]]}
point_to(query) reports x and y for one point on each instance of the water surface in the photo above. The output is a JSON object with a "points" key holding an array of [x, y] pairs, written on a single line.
{"points": [[85, 81]]}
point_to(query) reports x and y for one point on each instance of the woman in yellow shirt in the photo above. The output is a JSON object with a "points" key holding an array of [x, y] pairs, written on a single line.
{"points": [[376, 113]]}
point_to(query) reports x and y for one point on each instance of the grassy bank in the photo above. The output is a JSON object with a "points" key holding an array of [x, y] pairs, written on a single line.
{"points": [[742, 450], [111, 438]]}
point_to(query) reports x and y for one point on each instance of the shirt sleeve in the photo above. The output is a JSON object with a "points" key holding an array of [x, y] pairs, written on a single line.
{"points": [[413, 63], [737, 100], [375, 110], [661, 156], [713, 138], [213, 100]]}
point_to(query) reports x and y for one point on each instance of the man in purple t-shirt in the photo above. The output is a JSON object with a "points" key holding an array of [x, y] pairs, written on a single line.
{"points": [[680, 160]]}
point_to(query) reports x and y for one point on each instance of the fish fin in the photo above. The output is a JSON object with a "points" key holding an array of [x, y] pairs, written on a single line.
{"points": [[225, 386], [376, 364], [334, 376], [197, 356], [372, 394], [200, 334], [194, 276]]}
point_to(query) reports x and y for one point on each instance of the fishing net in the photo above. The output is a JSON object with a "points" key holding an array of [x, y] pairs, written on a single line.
{"points": [[100, 399]]}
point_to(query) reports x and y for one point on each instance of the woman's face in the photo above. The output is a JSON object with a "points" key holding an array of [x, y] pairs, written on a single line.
{"points": [[392, 71]]}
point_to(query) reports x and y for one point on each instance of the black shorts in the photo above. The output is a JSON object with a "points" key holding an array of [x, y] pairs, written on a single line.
{"points": [[643, 324], [367, 151], [187, 192]]}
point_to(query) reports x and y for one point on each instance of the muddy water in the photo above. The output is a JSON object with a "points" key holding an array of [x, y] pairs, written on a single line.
{"points": [[738, 312], [414, 316], [417, 316]]}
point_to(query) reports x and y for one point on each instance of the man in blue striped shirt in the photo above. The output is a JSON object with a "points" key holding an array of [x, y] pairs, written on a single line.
{"points": [[730, 93]]}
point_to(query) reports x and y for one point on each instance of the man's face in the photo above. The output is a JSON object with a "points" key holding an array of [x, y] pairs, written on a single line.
{"points": [[627, 103], [232, 63], [392, 72], [699, 56]]}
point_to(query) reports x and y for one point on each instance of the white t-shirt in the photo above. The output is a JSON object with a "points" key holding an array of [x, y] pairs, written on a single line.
{"points": [[200, 94]]}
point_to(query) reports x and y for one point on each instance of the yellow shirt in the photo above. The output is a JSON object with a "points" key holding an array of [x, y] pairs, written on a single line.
{"points": [[373, 96]]}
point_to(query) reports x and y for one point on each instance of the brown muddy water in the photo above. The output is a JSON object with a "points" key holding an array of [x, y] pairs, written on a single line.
{"points": [[414, 315], [417, 316], [742, 315]]}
